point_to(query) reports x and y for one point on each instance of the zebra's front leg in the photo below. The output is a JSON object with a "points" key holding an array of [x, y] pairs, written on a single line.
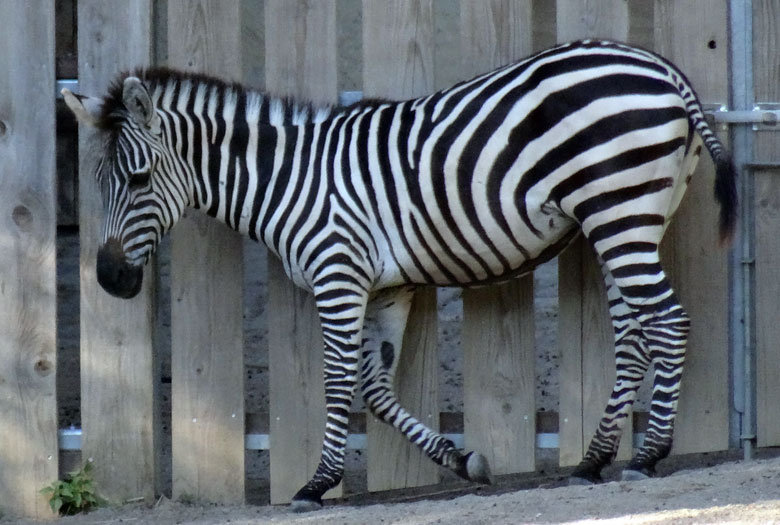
{"points": [[383, 336], [341, 317]]}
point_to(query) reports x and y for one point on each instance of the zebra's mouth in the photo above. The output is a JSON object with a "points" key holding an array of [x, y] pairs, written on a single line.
{"points": [[117, 276]]}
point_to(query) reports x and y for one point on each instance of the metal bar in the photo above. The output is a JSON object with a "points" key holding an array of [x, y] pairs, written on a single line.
{"points": [[742, 318], [767, 117], [70, 440]]}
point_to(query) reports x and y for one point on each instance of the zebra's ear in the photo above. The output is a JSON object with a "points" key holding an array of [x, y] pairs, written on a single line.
{"points": [[86, 109], [138, 102]]}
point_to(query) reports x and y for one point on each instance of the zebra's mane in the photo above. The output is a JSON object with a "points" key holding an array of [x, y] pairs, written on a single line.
{"points": [[281, 109]]}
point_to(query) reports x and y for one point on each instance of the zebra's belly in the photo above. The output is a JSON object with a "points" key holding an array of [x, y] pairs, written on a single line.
{"points": [[445, 258]]}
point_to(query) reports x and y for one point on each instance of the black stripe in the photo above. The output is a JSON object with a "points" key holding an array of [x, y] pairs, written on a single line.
{"points": [[197, 131], [628, 248], [623, 224], [608, 199], [631, 270], [266, 149], [623, 161], [239, 144], [215, 153]]}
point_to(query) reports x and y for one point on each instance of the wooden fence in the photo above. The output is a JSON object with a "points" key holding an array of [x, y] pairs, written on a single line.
{"points": [[300, 56]]}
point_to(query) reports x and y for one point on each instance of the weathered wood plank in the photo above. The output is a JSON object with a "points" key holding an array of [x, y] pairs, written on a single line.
{"points": [[398, 63], [498, 322], [300, 50], [28, 408], [120, 424], [498, 375], [589, 19], [206, 287], [585, 332], [694, 35], [493, 33], [766, 79]]}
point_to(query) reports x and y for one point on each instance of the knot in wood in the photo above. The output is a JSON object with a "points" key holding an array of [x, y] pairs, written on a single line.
{"points": [[43, 367], [22, 217]]}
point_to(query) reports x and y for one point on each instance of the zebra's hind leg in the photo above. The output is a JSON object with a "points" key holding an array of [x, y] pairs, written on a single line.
{"points": [[645, 289], [383, 335], [632, 361], [341, 313], [666, 333]]}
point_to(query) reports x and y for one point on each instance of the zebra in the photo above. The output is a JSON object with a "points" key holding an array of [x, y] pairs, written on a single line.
{"points": [[474, 184]]}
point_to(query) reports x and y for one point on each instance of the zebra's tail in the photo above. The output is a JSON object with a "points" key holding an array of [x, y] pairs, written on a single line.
{"points": [[725, 172]]}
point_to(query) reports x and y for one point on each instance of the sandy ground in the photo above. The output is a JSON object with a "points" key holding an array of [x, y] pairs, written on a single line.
{"points": [[732, 492]]}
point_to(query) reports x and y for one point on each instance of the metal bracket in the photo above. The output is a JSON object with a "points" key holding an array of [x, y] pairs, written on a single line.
{"points": [[70, 83], [763, 117]]}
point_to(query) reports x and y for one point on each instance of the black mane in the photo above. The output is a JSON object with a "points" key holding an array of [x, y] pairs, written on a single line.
{"points": [[113, 110]]}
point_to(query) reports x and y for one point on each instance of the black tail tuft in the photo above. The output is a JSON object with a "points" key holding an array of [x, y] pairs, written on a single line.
{"points": [[726, 195]]}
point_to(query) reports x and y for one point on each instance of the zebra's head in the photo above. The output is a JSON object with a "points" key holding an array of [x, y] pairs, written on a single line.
{"points": [[138, 209]]}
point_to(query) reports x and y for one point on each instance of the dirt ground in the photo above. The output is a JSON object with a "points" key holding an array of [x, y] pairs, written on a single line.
{"points": [[729, 492]]}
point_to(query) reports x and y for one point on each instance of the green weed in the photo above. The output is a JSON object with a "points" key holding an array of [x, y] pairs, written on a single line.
{"points": [[75, 494]]}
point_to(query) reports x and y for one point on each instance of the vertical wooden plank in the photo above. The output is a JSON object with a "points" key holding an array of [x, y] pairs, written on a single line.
{"points": [[494, 33], [498, 322], [766, 79], [767, 202], [398, 63], [592, 19], [694, 35], [587, 360], [118, 365], [28, 407], [206, 286], [300, 42]]}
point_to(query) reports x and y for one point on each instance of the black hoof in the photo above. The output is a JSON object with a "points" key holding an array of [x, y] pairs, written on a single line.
{"points": [[585, 476], [306, 500], [474, 467]]}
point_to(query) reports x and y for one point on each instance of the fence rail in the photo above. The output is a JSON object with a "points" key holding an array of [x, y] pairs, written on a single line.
{"points": [[302, 53]]}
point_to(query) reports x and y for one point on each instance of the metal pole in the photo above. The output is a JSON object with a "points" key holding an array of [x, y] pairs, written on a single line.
{"points": [[742, 320]]}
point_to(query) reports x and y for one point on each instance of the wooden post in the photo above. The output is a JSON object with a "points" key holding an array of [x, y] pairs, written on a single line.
{"points": [[587, 372], [398, 63], [498, 322], [694, 35], [28, 407], [766, 58], [300, 42], [118, 366], [207, 354]]}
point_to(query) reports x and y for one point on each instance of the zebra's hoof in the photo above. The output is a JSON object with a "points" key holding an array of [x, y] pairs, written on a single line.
{"points": [[478, 468], [634, 475], [306, 500], [585, 474], [305, 505]]}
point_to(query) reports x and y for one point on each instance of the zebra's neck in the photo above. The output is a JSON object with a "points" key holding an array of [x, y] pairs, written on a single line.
{"points": [[230, 143]]}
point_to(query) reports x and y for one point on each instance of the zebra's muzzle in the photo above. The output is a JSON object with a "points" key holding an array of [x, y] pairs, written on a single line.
{"points": [[117, 276]]}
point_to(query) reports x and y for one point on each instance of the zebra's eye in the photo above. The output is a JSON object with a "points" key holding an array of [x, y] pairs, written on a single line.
{"points": [[139, 179]]}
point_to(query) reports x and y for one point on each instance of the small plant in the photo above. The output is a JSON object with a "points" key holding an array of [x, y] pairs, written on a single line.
{"points": [[75, 494]]}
